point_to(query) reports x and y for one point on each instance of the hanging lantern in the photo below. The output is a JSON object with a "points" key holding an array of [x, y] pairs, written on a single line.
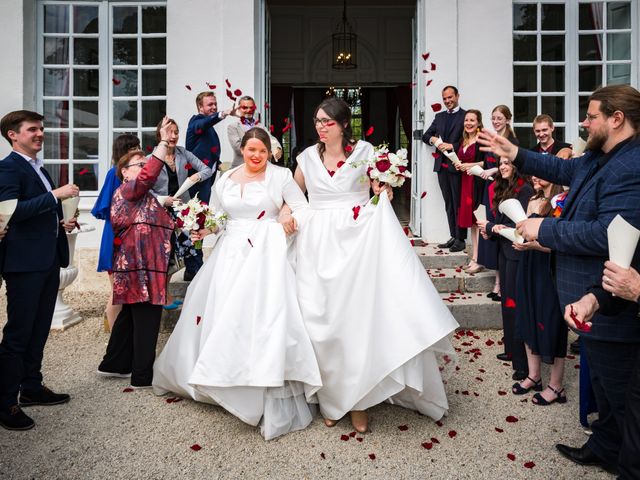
{"points": [[345, 44]]}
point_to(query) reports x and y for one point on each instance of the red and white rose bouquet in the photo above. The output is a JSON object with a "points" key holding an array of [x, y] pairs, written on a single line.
{"points": [[196, 215], [387, 167]]}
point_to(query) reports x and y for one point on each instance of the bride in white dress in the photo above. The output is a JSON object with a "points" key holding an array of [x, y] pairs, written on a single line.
{"points": [[240, 342], [374, 317]]}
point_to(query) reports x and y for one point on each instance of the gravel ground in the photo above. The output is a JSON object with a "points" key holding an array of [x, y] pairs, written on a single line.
{"points": [[107, 433]]}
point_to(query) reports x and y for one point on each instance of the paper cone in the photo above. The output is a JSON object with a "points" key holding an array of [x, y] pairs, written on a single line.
{"points": [[513, 209], [438, 142], [69, 208], [453, 157], [161, 199], [578, 147], [477, 170], [480, 213], [184, 187], [623, 240], [510, 234], [6, 210]]}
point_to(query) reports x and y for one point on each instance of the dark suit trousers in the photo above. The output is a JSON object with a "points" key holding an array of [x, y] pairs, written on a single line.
{"points": [[450, 187], [508, 269], [612, 367], [629, 458], [132, 345], [31, 300]]}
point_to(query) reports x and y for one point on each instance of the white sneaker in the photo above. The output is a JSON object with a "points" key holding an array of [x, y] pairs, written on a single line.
{"points": [[113, 374]]}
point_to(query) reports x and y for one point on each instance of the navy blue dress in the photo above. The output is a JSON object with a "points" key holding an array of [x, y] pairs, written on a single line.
{"points": [[101, 210]]}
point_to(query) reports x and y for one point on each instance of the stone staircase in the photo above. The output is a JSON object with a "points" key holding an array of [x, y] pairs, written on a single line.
{"points": [[464, 294]]}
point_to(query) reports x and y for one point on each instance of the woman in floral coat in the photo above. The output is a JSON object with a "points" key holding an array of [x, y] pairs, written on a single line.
{"points": [[142, 245]]}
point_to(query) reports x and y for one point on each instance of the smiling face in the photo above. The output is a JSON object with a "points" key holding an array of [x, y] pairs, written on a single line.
{"points": [[247, 107], [471, 123], [255, 155], [133, 167], [28, 139], [543, 132], [174, 134], [209, 105], [329, 130], [506, 168], [450, 98], [498, 121]]}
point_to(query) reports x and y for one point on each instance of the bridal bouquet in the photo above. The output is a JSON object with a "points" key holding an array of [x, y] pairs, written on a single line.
{"points": [[387, 167], [196, 215]]}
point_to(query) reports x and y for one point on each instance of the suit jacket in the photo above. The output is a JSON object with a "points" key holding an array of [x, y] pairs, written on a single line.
{"points": [[449, 127], [35, 235], [183, 157], [236, 132], [578, 237], [202, 139]]}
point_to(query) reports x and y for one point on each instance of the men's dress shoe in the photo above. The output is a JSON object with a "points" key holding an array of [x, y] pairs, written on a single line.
{"points": [[584, 456], [102, 373], [188, 276], [519, 375], [447, 244], [496, 298], [43, 397], [574, 347], [458, 246], [504, 357], [15, 419]]}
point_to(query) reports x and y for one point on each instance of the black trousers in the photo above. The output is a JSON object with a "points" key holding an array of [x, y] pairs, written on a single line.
{"points": [[31, 300], [450, 188], [629, 458], [612, 366], [508, 269], [132, 345]]}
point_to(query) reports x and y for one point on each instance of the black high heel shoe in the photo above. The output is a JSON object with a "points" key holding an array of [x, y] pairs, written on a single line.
{"points": [[538, 399], [518, 389]]}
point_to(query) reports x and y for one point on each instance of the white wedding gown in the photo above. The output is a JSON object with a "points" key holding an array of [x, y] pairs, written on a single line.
{"points": [[376, 321], [240, 341]]}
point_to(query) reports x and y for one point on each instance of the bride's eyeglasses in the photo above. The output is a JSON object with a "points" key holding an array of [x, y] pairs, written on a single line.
{"points": [[325, 122]]}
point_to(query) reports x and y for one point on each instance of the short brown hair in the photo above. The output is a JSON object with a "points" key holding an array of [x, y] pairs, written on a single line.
{"points": [[621, 98], [125, 159], [13, 121], [122, 144], [201, 96], [170, 121], [543, 118]]}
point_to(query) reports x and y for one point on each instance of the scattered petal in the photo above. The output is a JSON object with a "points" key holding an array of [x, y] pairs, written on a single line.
{"points": [[510, 303], [360, 439], [452, 433], [198, 320], [436, 107], [529, 465], [429, 82], [353, 434], [215, 149], [512, 419], [439, 423], [499, 430], [127, 390], [261, 214], [199, 131], [266, 105], [540, 326], [250, 243], [195, 447], [427, 445], [425, 56], [511, 456], [489, 342], [84, 171], [348, 148], [271, 128], [433, 67], [423, 194], [237, 92], [211, 86], [188, 87], [502, 393], [188, 166], [372, 456], [340, 163], [435, 440], [323, 456], [226, 80], [356, 212], [344, 437], [403, 428], [369, 132], [149, 148]]}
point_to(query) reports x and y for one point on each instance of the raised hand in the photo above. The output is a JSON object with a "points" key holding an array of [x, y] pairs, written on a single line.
{"points": [[499, 145]]}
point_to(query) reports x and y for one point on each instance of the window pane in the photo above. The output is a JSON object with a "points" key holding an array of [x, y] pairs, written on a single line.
{"points": [[154, 51], [525, 137], [619, 74], [154, 82], [56, 145], [85, 145], [152, 112], [154, 19], [126, 83], [552, 17], [125, 51], [85, 114], [56, 81], [619, 15], [125, 114], [85, 51], [552, 48], [56, 114], [86, 83], [524, 109], [524, 79], [618, 46], [590, 16], [524, 17], [58, 173], [85, 175], [148, 141], [558, 134], [590, 78], [56, 51], [125, 19], [553, 106], [56, 19], [590, 47], [553, 78], [524, 48], [85, 19]]}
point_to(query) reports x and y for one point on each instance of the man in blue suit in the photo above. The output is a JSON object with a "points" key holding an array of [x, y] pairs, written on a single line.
{"points": [[447, 127], [604, 182], [31, 254]]}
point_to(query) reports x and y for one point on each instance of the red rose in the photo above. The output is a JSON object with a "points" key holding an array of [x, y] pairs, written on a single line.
{"points": [[185, 212], [383, 165], [201, 218], [179, 222], [402, 169]]}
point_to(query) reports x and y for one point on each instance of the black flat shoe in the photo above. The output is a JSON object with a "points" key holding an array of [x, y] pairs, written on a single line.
{"points": [[538, 399], [492, 295], [43, 397], [584, 456], [15, 419], [458, 246], [504, 357], [518, 389], [447, 244], [519, 375], [496, 298]]}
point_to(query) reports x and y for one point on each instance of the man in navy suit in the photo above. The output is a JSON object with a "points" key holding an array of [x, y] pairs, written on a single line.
{"points": [[31, 254], [604, 182], [447, 127]]}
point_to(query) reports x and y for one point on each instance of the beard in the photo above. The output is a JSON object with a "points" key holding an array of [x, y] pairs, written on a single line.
{"points": [[596, 140]]}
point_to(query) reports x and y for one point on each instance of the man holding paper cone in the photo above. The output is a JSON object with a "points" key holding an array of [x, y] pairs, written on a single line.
{"points": [[445, 133], [604, 182], [31, 254]]}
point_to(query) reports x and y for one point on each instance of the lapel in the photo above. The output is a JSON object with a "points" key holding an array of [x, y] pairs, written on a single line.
{"points": [[22, 163]]}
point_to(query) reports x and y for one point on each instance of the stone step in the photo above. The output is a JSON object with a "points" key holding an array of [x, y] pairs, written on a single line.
{"points": [[452, 280], [433, 257], [474, 310]]}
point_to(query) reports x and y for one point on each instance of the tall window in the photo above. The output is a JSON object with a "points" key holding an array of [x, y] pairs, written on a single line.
{"points": [[101, 72], [562, 52]]}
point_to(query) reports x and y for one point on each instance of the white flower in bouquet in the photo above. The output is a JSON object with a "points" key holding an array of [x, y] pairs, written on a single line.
{"points": [[388, 168], [196, 215]]}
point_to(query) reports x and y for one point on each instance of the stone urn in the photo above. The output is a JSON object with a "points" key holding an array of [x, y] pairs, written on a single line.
{"points": [[63, 315]]}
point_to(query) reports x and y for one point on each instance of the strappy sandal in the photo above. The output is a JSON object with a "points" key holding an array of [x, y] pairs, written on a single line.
{"points": [[538, 399], [518, 389]]}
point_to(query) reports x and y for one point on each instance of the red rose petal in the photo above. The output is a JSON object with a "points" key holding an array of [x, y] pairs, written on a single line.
{"points": [[529, 465], [435, 440], [576, 366], [511, 419], [510, 303], [571, 357], [271, 128], [188, 87], [323, 456], [198, 320], [452, 433], [116, 81], [215, 149], [511, 456], [237, 92], [211, 86], [287, 127], [372, 456], [360, 439], [199, 131], [266, 105], [369, 132], [331, 173], [117, 241], [435, 154], [84, 171], [502, 393], [427, 445], [149, 148], [489, 342], [344, 438], [540, 326], [356, 212], [250, 243], [436, 107], [340, 163], [195, 447], [226, 80], [423, 194], [499, 430], [439, 423], [403, 428], [425, 56], [127, 390], [348, 148], [353, 434], [429, 82], [261, 214], [433, 67], [482, 370], [188, 166]]}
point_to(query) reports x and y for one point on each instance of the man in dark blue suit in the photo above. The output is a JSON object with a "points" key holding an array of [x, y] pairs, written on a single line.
{"points": [[31, 254], [447, 128], [604, 182]]}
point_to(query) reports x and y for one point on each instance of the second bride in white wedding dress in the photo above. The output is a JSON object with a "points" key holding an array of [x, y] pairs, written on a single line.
{"points": [[240, 342]]}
